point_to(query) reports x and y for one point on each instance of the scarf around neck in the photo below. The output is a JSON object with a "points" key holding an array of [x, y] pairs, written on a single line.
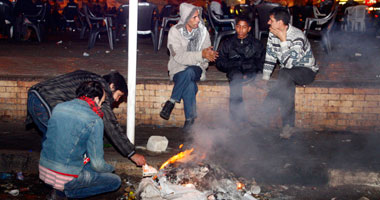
{"points": [[94, 107], [196, 37]]}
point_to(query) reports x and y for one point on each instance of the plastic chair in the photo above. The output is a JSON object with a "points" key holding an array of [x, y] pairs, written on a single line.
{"points": [[168, 11], [167, 18], [242, 10], [356, 17], [316, 12], [70, 14], [147, 22], [164, 27], [217, 24], [122, 20], [262, 18], [96, 26], [7, 22], [37, 21], [319, 21], [326, 25], [83, 23], [348, 12]]}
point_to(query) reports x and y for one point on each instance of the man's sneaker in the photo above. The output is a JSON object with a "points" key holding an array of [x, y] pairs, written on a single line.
{"points": [[287, 132], [188, 124], [167, 110]]}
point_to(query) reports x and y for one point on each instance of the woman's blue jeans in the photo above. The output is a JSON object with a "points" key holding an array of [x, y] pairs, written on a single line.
{"points": [[90, 183], [39, 110], [185, 87]]}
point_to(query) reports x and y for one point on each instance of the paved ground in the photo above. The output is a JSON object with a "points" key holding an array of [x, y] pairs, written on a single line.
{"points": [[51, 59], [299, 168], [354, 58]]}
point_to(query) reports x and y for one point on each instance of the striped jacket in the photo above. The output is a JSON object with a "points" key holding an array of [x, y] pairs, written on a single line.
{"points": [[295, 52], [62, 88]]}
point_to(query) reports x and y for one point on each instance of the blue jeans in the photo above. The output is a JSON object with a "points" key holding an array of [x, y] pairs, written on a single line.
{"points": [[185, 87], [39, 110], [237, 107], [90, 183]]}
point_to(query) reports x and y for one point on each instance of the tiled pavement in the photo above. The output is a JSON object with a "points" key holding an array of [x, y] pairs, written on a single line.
{"points": [[51, 59], [354, 58]]}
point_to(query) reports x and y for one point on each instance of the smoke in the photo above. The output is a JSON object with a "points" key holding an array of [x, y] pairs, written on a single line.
{"points": [[255, 152], [241, 140], [246, 145]]}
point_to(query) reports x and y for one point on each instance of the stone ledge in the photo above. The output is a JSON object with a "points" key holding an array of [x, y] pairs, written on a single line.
{"points": [[318, 106]]}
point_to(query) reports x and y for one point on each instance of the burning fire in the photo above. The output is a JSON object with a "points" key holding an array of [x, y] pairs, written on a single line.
{"points": [[190, 185], [177, 157], [240, 186]]}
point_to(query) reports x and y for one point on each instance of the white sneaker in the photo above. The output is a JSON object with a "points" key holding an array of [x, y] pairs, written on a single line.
{"points": [[287, 132]]}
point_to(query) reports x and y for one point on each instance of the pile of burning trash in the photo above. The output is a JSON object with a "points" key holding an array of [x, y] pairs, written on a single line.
{"points": [[187, 176]]}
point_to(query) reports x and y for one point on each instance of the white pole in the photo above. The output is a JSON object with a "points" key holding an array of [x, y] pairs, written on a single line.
{"points": [[132, 58]]}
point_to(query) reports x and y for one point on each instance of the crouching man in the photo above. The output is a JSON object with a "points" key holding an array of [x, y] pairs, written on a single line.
{"points": [[44, 96], [71, 159]]}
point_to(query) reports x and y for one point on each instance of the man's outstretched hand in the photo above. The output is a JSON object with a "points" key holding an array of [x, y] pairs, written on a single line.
{"points": [[138, 159], [210, 54]]}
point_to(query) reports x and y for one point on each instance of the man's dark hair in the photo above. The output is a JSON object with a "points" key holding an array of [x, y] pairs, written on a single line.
{"points": [[281, 13], [118, 80], [90, 89], [244, 18]]}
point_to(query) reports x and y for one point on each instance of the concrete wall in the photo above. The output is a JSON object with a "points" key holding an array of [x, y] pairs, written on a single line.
{"points": [[317, 107]]}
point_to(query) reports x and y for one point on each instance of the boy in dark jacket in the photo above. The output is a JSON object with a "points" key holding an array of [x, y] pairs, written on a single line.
{"points": [[241, 57]]}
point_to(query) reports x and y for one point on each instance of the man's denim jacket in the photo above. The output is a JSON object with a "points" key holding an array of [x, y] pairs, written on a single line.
{"points": [[74, 130]]}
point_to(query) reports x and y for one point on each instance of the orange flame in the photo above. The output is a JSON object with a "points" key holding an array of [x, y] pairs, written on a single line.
{"points": [[180, 146], [239, 186], [177, 157]]}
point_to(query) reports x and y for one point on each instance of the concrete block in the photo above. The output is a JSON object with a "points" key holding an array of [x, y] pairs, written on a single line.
{"points": [[157, 143], [339, 177]]}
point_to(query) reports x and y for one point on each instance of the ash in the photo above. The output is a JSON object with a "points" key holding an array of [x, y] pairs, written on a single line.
{"points": [[188, 181]]}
